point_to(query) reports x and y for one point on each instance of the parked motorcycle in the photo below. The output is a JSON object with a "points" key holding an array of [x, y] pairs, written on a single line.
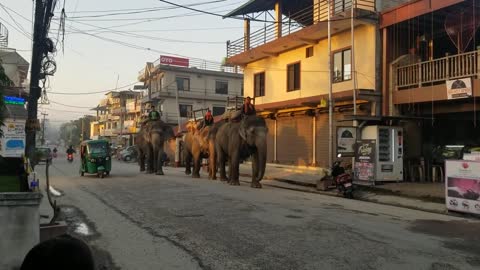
{"points": [[70, 157], [341, 179]]}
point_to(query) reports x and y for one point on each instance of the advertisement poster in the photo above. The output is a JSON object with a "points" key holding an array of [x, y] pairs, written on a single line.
{"points": [[460, 88], [462, 185], [346, 138], [12, 144], [365, 161]]}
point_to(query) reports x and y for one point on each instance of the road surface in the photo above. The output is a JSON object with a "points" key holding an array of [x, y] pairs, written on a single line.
{"points": [[141, 221]]}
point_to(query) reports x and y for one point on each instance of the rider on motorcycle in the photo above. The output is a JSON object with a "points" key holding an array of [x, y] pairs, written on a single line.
{"points": [[70, 150]]}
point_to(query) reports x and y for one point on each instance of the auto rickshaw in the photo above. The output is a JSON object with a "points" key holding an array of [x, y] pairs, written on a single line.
{"points": [[96, 157]]}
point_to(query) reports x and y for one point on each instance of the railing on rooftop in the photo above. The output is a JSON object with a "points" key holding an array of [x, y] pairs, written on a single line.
{"points": [[294, 22], [3, 36]]}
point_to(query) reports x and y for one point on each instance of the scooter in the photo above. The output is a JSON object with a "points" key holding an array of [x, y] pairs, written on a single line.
{"points": [[70, 158], [343, 181]]}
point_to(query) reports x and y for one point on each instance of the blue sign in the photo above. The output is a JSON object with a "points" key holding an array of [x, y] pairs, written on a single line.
{"points": [[14, 100]]}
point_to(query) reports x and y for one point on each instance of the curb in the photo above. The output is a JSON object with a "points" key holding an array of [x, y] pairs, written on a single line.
{"points": [[334, 194]]}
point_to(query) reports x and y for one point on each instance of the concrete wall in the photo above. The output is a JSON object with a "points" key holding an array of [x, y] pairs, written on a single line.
{"points": [[314, 70], [19, 227]]}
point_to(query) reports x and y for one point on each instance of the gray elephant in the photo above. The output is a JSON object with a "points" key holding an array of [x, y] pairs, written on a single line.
{"points": [[196, 147], [150, 142], [237, 141]]}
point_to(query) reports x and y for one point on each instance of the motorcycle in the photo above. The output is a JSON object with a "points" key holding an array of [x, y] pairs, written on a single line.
{"points": [[70, 157], [343, 181]]}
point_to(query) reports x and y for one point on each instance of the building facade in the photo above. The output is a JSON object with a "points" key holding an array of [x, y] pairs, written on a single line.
{"points": [[117, 117], [286, 69], [178, 86]]}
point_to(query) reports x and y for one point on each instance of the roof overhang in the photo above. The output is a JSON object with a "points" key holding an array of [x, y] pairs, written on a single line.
{"points": [[255, 6]]}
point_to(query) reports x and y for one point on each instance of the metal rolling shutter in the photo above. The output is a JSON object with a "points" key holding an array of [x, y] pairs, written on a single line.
{"points": [[294, 141], [270, 140]]}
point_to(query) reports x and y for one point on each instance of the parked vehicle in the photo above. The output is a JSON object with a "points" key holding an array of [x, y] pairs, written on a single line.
{"points": [[129, 154], [95, 158], [342, 180], [43, 154]]}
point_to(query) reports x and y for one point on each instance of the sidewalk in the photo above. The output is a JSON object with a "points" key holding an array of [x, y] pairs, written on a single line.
{"points": [[427, 197]]}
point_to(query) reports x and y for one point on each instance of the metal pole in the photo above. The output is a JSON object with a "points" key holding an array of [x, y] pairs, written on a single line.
{"points": [[330, 102], [43, 128], [178, 110], [32, 107], [352, 66]]}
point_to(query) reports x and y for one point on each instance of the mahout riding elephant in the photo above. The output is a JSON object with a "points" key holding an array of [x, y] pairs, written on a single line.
{"points": [[237, 141], [196, 147], [150, 142]]}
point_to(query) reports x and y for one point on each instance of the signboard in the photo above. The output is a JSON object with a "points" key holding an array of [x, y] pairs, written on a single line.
{"points": [[460, 88], [364, 161], [12, 144], [462, 186], [174, 61], [346, 138], [14, 100]]}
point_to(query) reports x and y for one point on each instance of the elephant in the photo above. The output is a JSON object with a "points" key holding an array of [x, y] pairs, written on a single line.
{"points": [[237, 141], [150, 142], [196, 147]]}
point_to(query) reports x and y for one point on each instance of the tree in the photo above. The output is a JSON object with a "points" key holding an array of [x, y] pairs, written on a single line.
{"points": [[4, 81]]}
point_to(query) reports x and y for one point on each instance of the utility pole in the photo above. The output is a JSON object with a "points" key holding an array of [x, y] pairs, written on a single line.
{"points": [[83, 130], [330, 89], [43, 128], [42, 18]]}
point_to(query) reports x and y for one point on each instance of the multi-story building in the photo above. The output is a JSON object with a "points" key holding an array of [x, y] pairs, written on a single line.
{"points": [[117, 117], [431, 73], [179, 85], [286, 69]]}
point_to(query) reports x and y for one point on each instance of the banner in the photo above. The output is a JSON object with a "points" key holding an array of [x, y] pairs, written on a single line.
{"points": [[12, 144], [364, 161], [462, 186], [460, 88], [346, 138]]}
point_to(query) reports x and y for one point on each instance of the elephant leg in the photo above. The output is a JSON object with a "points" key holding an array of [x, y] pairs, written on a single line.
{"points": [[149, 157], [212, 163], [159, 162], [141, 160], [221, 164], [233, 170], [188, 161], [255, 183], [197, 159]]}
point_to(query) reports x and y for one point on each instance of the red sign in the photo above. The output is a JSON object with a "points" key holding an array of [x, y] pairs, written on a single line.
{"points": [[174, 61]]}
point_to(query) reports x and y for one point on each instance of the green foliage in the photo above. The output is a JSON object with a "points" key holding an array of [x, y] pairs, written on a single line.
{"points": [[70, 132]]}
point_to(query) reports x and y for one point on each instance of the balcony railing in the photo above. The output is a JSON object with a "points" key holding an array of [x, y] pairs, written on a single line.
{"points": [[437, 70], [313, 14]]}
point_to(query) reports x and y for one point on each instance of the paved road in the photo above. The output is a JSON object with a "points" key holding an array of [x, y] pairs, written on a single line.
{"points": [[175, 222]]}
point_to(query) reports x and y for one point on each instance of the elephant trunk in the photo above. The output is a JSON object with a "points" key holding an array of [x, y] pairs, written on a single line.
{"points": [[262, 161]]}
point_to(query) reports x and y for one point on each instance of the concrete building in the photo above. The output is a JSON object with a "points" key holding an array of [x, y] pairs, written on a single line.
{"points": [[191, 83], [117, 117], [286, 69]]}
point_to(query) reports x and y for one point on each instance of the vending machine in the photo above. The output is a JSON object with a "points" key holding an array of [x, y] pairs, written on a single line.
{"points": [[388, 153]]}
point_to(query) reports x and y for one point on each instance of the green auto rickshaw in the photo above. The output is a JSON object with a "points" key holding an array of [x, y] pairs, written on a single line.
{"points": [[96, 157]]}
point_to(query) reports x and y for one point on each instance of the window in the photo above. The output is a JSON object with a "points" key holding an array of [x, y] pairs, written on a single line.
{"points": [[342, 66], [293, 77], [183, 84], [185, 109], [309, 52], [259, 84], [221, 87], [218, 110]]}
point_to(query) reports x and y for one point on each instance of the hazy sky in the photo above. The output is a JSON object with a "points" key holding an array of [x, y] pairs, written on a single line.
{"points": [[90, 64]]}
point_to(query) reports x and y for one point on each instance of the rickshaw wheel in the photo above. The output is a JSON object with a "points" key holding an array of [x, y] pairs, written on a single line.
{"points": [[82, 173], [102, 175], [107, 173]]}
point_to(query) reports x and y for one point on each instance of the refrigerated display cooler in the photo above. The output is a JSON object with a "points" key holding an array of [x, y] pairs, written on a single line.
{"points": [[389, 152]]}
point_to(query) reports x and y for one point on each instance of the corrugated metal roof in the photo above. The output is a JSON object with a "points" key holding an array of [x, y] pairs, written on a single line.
{"points": [[252, 6]]}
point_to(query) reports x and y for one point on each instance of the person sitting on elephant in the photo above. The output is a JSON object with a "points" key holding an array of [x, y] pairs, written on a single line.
{"points": [[248, 108], [208, 118], [153, 115]]}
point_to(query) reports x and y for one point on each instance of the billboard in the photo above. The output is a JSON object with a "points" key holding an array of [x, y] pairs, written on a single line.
{"points": [[364, 169], [460, 88], [462, 186], [174, 61], [12, 144], [346, 138]]}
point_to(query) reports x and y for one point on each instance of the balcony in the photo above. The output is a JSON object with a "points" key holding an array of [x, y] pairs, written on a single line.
{"points": [[308, 26], [119, 111], [437, 70]]}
